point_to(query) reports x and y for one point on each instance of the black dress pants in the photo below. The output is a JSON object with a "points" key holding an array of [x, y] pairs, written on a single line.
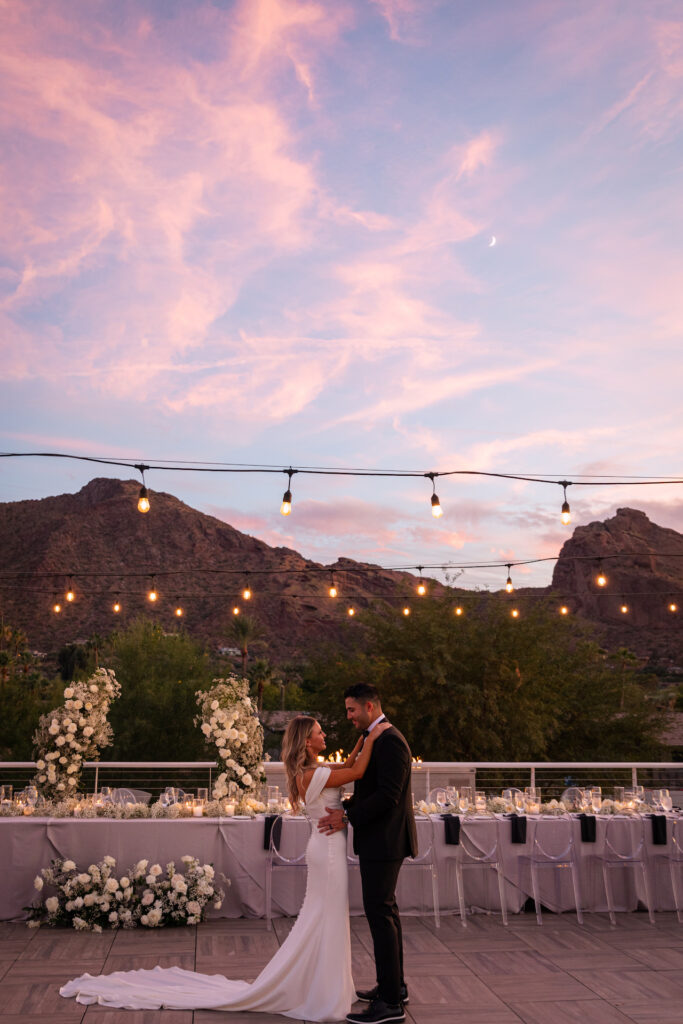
{"points": [[378, 879]]}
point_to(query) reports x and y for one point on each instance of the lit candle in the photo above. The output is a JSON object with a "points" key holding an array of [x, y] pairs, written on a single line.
{"points": [[229, 808]]}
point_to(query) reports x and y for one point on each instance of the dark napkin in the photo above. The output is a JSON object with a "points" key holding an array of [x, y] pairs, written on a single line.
{"points": [[658, 829], [517, 828], [451, 828], [268, 828], [587, 828]]}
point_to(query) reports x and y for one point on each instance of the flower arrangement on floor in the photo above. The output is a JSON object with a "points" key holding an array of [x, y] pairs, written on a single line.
{"points": [[229, 721], [74, 733], [149, 896]]}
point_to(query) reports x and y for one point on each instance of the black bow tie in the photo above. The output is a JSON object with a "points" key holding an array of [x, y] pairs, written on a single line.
{"points": [[365, 733]]}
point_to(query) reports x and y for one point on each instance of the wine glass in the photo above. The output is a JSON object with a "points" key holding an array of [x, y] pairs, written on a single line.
{"points": [[667, 802], [452, 796], [105, 793], [465, 798], [31, 795], [441, 799], [596, 798]]}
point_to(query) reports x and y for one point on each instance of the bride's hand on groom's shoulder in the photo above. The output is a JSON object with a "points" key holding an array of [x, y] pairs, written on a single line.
{"points": [[379, 729]]}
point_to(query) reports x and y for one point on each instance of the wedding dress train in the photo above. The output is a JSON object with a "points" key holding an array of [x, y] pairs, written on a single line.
{"points": [[309, 977]]}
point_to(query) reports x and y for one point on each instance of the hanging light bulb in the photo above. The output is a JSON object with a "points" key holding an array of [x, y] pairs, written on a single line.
{"points": [[286, 506], [514, 613], [624, 609], [56, 606], [116, 607], [152, 592], [508, 581], [406, 610], [70, 595], [421, 588], [564, 610], [352, 612], [458, 610], [333, 590], [143, 497], [673, 607], [179, 611], [246, 593], [601, 579], [437, 511], [236, 610], [565, 516]]}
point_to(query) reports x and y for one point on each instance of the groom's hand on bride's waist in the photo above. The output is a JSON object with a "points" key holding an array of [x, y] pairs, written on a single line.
{"points": [[334, 821]]}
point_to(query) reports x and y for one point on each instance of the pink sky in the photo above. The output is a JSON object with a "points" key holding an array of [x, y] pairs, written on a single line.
{"points": [[259, 232]]}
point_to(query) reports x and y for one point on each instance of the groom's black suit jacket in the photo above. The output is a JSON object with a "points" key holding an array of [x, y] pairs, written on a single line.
{"points": [[381, 808]]}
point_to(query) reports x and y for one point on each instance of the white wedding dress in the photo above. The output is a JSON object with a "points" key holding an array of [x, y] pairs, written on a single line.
{"points": [[309, 978]]}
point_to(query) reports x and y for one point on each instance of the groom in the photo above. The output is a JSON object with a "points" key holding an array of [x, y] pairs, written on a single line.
{"points": [[381, 813]]}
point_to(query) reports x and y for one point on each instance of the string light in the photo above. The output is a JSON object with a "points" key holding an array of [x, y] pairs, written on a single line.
{"points": [[437, 511], [56, 606], [116, 607], [508, 581], [564, 610], [421, 588], [70, 595], [351, 612], [514, 613], [333, 590], [624, 609], [673, 607], [246, 593], [566, 511], [601, 579], [458, 610], [179, 610], [236, 610], [143, 497], [286, 506], [406, 610], [152, 593]]}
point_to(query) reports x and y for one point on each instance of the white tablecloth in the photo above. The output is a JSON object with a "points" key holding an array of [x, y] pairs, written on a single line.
{"points": [[235, 848]]}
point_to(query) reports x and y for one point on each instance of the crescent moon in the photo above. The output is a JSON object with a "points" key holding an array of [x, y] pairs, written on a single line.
{"points": [[492, 242]]}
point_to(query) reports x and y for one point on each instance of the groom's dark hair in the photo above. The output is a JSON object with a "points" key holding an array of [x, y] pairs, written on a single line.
{"points": [[363, 692]]}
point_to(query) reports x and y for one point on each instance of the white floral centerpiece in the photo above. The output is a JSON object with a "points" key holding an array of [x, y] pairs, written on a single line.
{"points": [[96, 898], [229, 721], [74, 733]]}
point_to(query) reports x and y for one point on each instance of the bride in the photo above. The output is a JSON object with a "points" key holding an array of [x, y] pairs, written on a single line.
{"points": [[309, 978]]}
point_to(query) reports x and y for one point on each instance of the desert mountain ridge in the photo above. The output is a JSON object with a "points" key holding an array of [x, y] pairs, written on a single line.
{"points": [[98, 535]]}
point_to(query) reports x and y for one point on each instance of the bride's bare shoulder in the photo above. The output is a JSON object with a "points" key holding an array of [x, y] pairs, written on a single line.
{"points": [[303, 781]]}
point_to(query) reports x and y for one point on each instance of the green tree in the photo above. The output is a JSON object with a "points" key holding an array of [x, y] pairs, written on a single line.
{"points": [[159, 675], [486, 687], [245, 631], [25, 694]]}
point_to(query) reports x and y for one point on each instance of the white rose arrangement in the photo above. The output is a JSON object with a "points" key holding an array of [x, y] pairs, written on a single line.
{"points": [[73, 733], [230, 723], [152, 897]]}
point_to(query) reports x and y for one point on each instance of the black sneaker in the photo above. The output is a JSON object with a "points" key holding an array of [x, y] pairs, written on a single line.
{"points": [[378, 1012], [373, 993]]}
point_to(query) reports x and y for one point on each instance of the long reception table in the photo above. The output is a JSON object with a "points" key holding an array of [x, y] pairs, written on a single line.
{"points": [[235, 847]]}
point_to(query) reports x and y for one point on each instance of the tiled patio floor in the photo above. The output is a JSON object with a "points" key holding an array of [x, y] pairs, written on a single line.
{"points": [[559, 973]]}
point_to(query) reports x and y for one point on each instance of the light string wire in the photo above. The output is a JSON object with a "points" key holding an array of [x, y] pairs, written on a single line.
{"points": [[178, 465]]}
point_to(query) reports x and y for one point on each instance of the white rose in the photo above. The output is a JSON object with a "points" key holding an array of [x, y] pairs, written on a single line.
{"points": [[148, 898], [40, 765], [84, 879], [52, 904], [113, 917], [220, 742], [193, 907], [88, 706], [73, 727], [92, 688], [63, 760], [72, 781], [89, 899], [60, 741], [42, 778], [156, 869], [60, 785], [111, 885], [151, 879], [124, 882], [68, 865], [38, 883], [71, 769], [88, 731], [214, 705], [247, 779], [79, 924], [109, 860], [178, 883], [69, 692], [97, 928], [187, 858]]}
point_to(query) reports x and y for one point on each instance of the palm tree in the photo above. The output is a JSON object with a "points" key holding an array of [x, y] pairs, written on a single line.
{"points": [[245, 630], [262, 673]]}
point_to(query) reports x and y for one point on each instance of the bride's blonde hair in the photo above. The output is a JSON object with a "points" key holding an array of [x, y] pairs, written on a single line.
{"points": [[295, 757]]}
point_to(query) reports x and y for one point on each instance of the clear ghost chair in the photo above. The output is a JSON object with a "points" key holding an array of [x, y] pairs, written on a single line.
{"points": [[484, 854], [277, 859], [425, 862], [625, 848], [553, 847]]}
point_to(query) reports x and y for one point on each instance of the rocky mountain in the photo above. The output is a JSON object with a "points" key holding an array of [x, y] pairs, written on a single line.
{"points": [[644, 583], [99, 537]]}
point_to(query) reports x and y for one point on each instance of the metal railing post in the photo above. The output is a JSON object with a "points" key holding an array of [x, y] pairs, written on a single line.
{"points": [[634, 777], [532, 780], [97, 775]]}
